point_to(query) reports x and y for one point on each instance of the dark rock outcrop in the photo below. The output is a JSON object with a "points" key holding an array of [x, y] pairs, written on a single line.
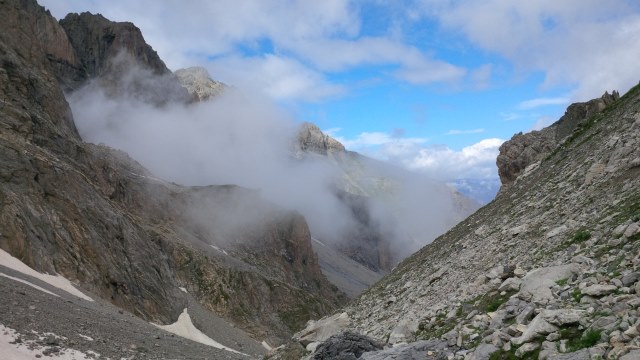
{"points": [[119, 60], [348, 345], [97, 41], [526, 149], [98, 218]]}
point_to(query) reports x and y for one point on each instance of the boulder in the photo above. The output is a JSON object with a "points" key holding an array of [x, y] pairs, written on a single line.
{"points": [[483, 352], [539, 327], [563, 317], [630, 279], [321, 330], [403, 332], [598, 290], [536, 284], [421, 350], [347, 345]]}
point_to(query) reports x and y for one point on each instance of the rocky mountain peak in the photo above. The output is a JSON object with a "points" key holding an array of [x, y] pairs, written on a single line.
{"points": [[199, 83], [525, 150], [97, 40], [311, 139]]}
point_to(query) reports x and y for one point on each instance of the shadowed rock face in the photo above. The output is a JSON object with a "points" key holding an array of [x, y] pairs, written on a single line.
{"points": [[117, 56], [95, 216], [526, 149], [97, 40]]}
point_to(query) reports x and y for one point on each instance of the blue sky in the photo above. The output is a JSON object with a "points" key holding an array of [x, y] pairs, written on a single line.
{"points": [[434, 86]]}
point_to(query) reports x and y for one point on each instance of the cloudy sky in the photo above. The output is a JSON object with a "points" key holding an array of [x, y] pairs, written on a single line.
{"points": [[435, 85]]}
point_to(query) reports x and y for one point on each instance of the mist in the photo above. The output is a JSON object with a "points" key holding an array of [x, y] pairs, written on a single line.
{"points": [[244, 139]]}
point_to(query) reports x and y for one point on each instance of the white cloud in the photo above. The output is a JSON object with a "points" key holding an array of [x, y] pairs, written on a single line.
{"points": [[437, 161], [312, 37], [369, 139], [281, 78], [474, 161], [534, 103], [464, 132], [573, 42]]}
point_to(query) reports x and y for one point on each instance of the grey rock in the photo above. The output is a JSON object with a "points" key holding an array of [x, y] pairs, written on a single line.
{"points": [[483, 352], [599, 290], [321, 330], [605, 323], [526, 348], [199, 83], [524, 150], [563, 317], [510, 284], [347, 345], [536, 284], [631, 355], [404, 331], [432, 350], [630, 279], [632, 230], [577, 355], [538, 327]]}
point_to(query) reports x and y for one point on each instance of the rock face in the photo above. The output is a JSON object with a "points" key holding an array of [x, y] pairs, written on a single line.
{"points": [[97, 41], [545, 271], [524, 150], [119, 60], [311, 139], [362, 183], [199, 83], [98, 218]]}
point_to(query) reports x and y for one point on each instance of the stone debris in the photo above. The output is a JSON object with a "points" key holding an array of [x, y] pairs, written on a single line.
{"points": [[550, 270]]}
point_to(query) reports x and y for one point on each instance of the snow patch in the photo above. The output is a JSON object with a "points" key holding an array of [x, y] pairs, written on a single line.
{"points": [[183, 289], [29, 349], [56, 281], [88, 338], [318, 241], [266, 345], [221, 250], [185, 328], [28, 283]]}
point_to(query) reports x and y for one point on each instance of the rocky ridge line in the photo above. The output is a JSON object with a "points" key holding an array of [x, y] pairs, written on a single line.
{"points": [[548, 270], [524, 150]]}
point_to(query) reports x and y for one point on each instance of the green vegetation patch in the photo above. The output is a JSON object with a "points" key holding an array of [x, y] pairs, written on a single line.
{"points": [[511, 355], [577, 340], [580, 237], [491, 301]]}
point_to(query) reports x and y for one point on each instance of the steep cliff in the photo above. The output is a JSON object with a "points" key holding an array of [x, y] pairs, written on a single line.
{"points": [[524, 150], [98, 218], [115, 57]]}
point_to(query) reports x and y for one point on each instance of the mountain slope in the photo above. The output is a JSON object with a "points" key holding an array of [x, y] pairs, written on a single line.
{"points": [[550, 266], [96, 217]]}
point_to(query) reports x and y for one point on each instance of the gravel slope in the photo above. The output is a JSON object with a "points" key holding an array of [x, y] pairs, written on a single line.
{"points": [[114, 333]]}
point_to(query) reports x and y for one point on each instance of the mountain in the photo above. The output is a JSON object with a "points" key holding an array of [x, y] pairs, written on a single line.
{"points": [[550, 269], [96, 217], [376, 194]]}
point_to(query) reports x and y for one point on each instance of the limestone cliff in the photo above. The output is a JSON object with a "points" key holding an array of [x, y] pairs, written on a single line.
{"points": [[199, 83], [524, 150]]}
